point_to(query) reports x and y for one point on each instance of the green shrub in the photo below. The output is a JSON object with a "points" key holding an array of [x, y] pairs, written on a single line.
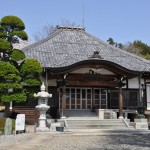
{"points": [[147, 56], [17, 97], [4, 45], [17, 55], [30, 66], [13, 21]]}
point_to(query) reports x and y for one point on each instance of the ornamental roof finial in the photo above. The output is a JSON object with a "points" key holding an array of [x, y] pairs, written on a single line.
{"points": [[96, 55]]}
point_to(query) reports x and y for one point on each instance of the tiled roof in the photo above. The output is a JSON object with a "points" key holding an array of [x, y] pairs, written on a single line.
{"points": [[66, 46]]}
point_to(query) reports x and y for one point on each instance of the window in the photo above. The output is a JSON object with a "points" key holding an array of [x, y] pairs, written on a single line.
{"points": [[133, 98], [113, 99], [130, 98], [83, 94], [77, 98], [100, 98]]}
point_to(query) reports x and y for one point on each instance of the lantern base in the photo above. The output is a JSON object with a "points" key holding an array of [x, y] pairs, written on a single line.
{"points": [[44, 129]]}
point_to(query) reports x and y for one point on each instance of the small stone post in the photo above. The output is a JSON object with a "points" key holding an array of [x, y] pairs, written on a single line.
{"points": [[8, 127]]}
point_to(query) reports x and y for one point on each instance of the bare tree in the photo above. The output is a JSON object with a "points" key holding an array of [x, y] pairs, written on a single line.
{"points": [[45, 32], [48, 29]]}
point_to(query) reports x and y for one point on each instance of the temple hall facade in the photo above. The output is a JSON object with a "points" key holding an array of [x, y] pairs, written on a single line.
{"points": [[84, 73]]}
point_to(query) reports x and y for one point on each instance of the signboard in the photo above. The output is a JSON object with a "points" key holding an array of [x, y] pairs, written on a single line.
{"points": [[20, 122]]}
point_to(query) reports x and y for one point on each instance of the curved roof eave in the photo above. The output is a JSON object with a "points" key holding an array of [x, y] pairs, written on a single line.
{"points": [[95, 63]]}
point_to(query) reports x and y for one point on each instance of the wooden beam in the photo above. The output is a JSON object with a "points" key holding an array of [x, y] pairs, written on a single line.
{"points": [[75, 79], [89, 77], [91, 83]]}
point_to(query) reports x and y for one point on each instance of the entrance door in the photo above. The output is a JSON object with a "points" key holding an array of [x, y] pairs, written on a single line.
{"points": [[100, 98], [77, 98], [86, 98]]}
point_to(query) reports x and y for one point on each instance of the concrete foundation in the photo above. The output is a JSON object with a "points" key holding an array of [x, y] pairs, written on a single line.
{"points": [[141, 124]]}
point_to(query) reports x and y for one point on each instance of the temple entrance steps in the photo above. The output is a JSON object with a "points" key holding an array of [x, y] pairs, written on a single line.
{"points": [[85, 123]]}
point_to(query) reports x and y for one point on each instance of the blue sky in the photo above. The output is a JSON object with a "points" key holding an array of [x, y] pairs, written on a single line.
{"points": [[123, 20]]}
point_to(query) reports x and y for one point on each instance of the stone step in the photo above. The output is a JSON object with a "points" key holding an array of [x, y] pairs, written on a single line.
{"points": [[72, 122], [95, 124], [99, 120], [79, 124], [97, 127]]}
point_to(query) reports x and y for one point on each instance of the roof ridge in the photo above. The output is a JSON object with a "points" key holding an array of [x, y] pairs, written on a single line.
{"points": [[105, 43], [70, 27]]}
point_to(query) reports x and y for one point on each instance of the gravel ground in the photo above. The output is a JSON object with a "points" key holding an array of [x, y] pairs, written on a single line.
{"points": [[75, 142], [14, 139]]}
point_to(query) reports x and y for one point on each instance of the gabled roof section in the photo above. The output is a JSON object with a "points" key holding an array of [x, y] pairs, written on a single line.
{"points": [[69, 45]]}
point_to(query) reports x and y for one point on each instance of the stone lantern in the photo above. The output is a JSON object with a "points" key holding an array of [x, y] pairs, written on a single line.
{"points": [[42, 107]]}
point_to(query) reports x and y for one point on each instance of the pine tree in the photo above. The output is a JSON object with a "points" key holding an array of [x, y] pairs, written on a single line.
{"points": [[14, 68]]}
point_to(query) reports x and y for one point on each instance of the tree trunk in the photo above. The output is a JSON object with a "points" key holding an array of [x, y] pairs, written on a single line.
{"points": [[6, 112]]}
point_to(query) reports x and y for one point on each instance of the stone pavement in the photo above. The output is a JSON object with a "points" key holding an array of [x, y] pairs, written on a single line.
{"points": [[129, 139]]}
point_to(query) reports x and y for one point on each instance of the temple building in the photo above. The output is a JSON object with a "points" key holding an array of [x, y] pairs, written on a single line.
{"points": [[84, 73]]}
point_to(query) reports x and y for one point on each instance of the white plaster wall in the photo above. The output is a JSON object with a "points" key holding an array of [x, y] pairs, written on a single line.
{"points": [[100, 71], [134, 83], [148, 96]]}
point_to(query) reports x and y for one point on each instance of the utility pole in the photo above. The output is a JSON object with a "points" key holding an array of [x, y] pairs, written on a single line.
{"points": [[83, 16]]}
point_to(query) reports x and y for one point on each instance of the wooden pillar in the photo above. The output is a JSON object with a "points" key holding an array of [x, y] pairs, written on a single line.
{"points": [[93, 101], [63, 100], [120, 103], [46, 81], [140, 92]]}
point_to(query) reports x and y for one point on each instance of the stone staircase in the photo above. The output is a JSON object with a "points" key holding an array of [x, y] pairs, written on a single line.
{"points": [[89, 120], [95, 124]]}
